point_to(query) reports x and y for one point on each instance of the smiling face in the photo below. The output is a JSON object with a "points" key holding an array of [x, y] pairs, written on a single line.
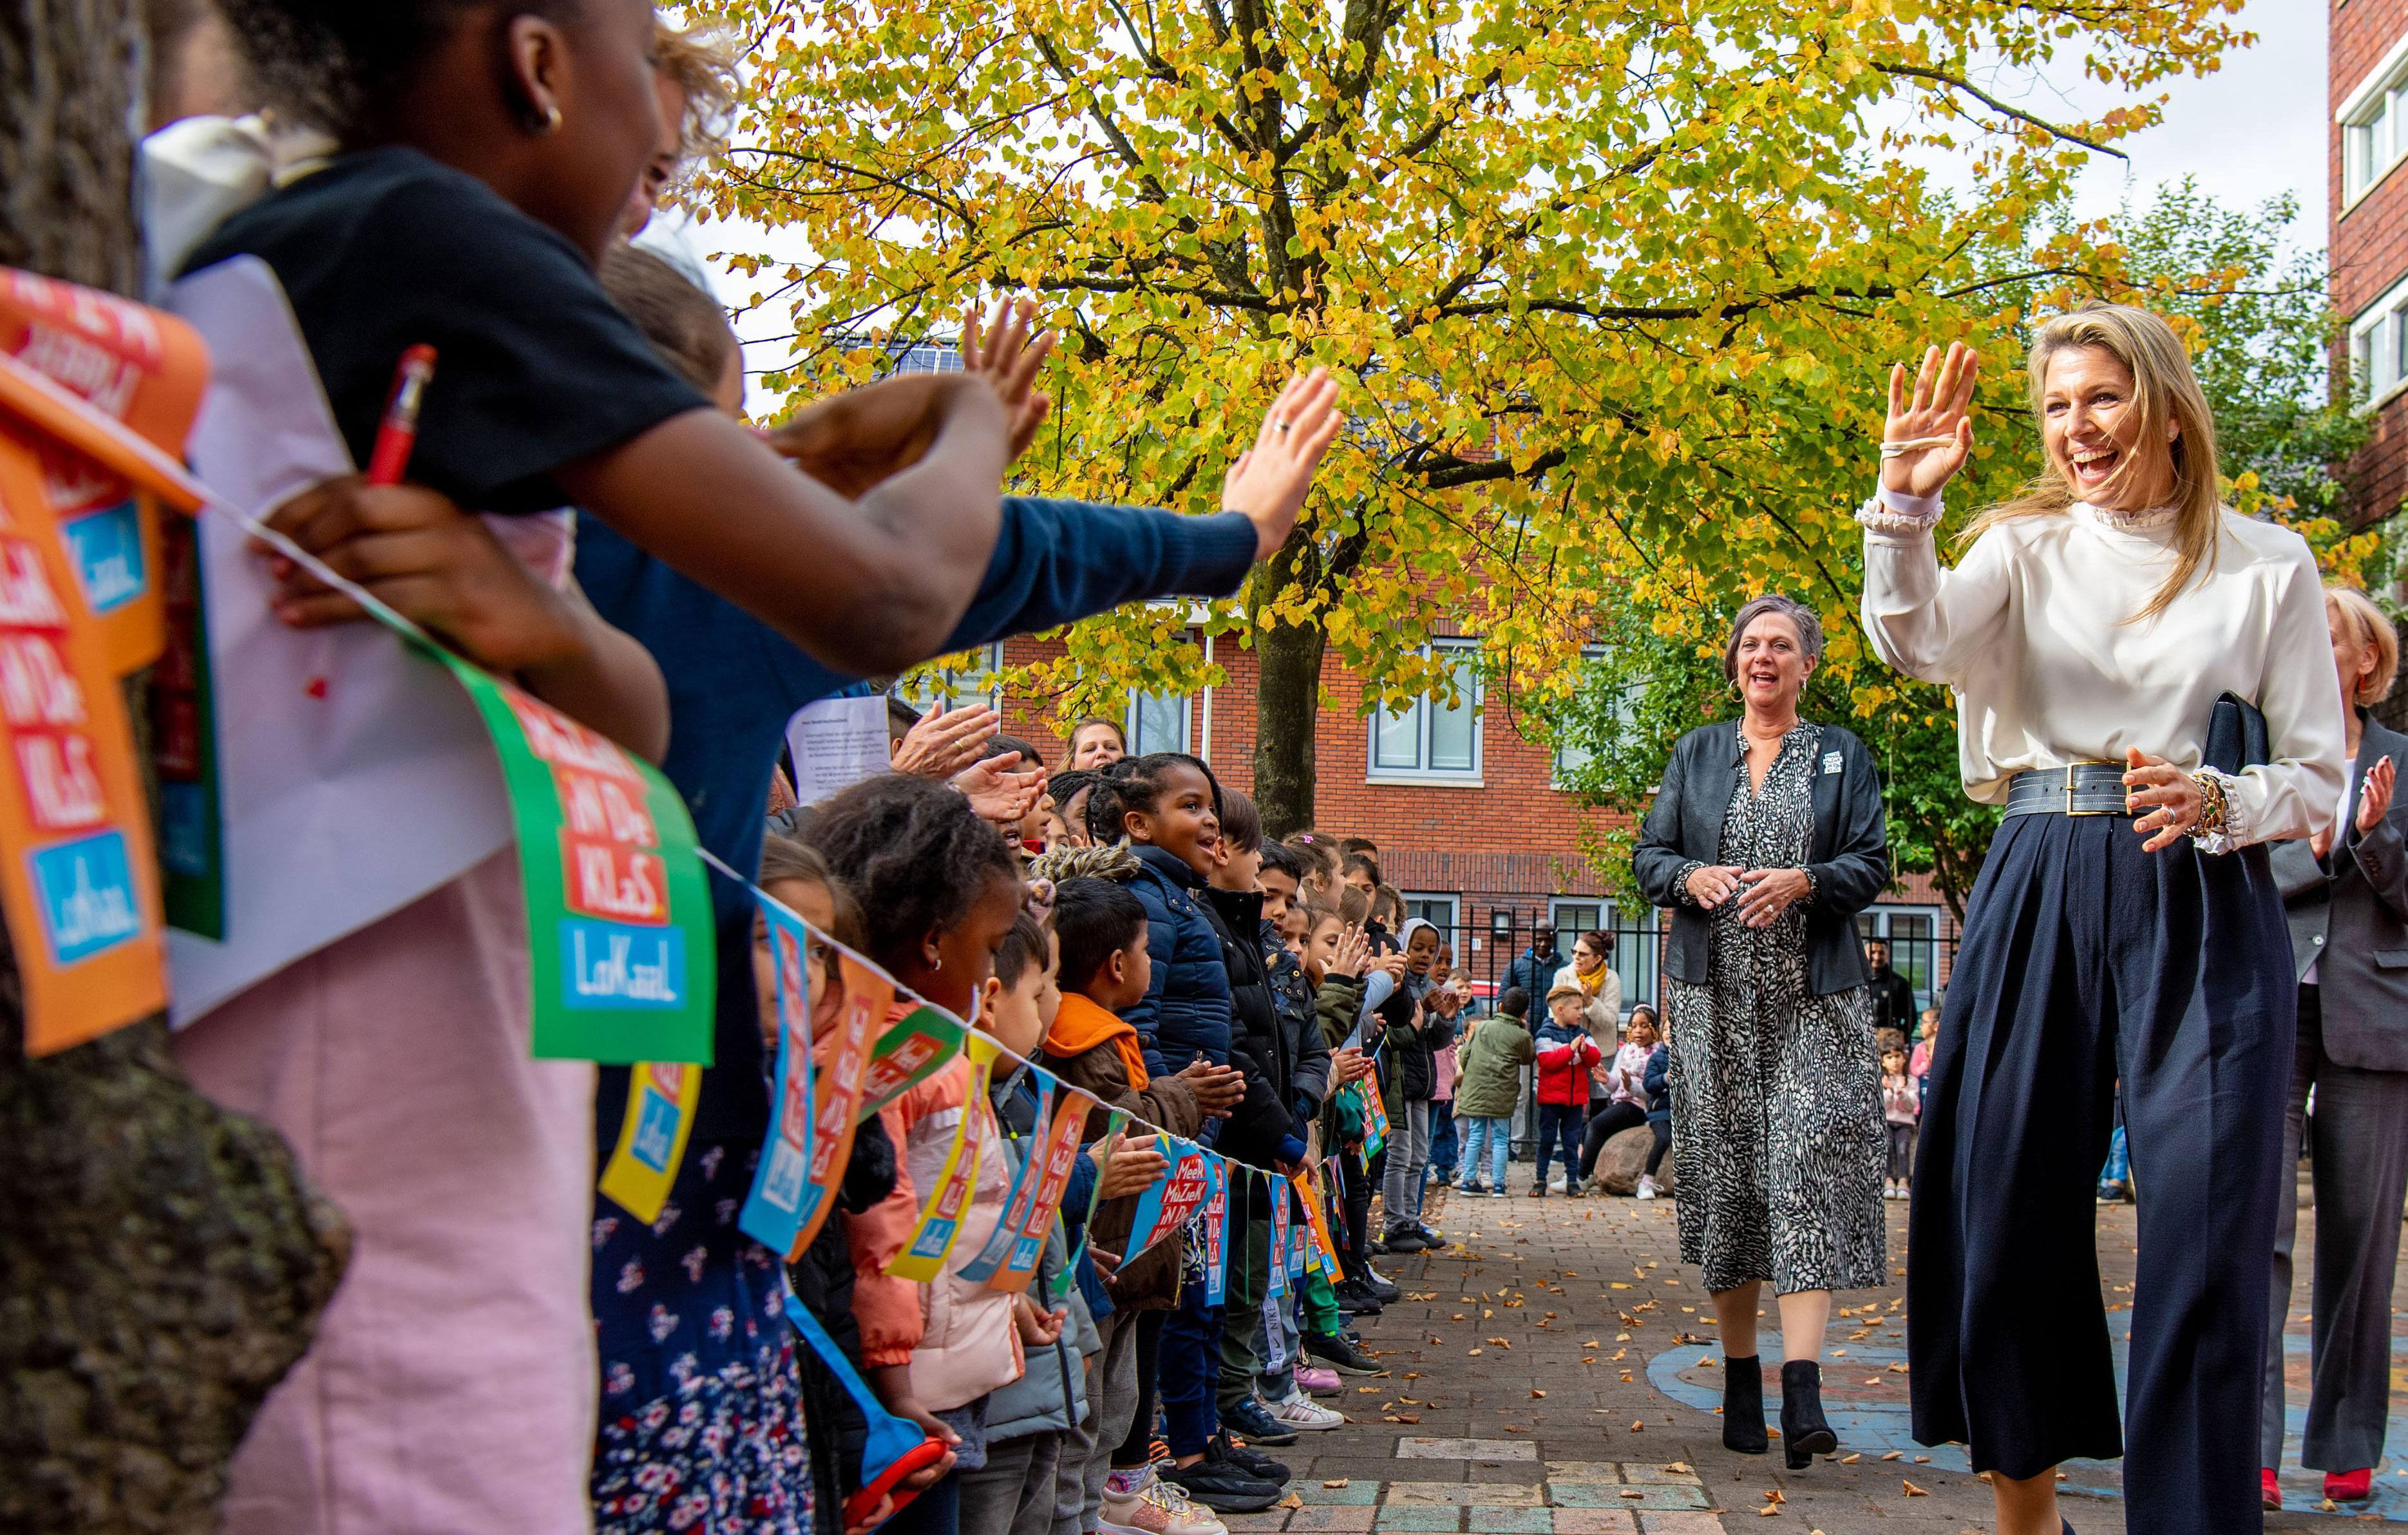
{"points": [[1586, 956], [2093, 432], [1181, 822], [1772, 663]]}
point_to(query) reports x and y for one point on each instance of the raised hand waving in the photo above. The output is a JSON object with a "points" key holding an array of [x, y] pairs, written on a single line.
{"points": [[1930, 433]]}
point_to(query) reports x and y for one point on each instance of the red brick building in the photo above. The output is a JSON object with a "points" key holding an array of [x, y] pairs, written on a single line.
{"points": [[2368, 171], [1471, 827]]}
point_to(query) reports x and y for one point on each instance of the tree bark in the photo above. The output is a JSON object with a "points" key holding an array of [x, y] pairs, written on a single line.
{"points": [[162, 1262], [1287, 708]]}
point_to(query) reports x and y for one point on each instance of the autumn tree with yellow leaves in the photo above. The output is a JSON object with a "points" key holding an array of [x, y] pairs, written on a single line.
{"points": [[1607, 280]]}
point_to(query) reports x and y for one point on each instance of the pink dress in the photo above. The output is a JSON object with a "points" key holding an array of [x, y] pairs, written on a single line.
{"points": [[452, 1384]]}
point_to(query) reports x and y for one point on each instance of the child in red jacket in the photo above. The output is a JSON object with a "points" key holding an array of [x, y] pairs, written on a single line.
{"points": [[1565, 1053]]}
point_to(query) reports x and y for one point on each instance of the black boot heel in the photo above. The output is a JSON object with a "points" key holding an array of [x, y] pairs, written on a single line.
{"points": [[1804, 1432], [1744, 1406]]}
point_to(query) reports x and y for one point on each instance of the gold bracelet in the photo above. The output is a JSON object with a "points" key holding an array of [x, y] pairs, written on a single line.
{"points": [[2211, 803]]}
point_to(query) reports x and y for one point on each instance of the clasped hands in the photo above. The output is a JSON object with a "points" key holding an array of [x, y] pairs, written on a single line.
{"points": [[1764, 893]]}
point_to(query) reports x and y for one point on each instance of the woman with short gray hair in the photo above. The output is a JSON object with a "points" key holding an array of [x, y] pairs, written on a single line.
{"points": [[1766, 839]]}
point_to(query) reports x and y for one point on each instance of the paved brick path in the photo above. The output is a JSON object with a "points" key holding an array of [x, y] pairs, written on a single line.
{"points": [[1554, 1373]]}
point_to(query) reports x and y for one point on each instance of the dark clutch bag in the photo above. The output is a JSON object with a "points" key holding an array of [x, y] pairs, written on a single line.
{"points": [[2236, 736]]}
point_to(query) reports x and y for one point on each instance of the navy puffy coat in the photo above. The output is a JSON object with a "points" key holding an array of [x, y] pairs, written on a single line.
{"points": [[1657, 1079], [1185, 1013]]}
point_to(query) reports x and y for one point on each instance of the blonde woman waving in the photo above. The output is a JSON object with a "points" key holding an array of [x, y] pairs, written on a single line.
{"points": [[2125, 924]]}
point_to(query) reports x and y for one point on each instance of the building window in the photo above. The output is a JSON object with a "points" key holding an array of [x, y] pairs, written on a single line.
{"points": [[974, 676], [1622, 712], [1439, 911], [1158, 722], [928, 357], [2378, 346], [1433, 738], [1913, 934], [2374, 126]]}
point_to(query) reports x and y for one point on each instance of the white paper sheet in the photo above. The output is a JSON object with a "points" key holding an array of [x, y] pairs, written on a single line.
{"points": [[337, 809], [836, 743]]}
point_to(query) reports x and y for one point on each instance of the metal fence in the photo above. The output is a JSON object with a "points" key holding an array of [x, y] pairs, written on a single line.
{"points": [[1508, 930]]}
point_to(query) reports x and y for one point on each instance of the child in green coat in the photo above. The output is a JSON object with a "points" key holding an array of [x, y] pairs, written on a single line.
{"points": [[1489, 1060]]}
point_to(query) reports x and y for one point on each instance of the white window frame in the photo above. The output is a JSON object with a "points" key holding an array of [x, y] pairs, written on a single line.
{"points": [[2372, 120], [2378, 346], [945, 690], [1375, 772]]}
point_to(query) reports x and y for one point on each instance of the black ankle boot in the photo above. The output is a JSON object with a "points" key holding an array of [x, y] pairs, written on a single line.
{"points": [[1804, 1433], [1744, 1406]]}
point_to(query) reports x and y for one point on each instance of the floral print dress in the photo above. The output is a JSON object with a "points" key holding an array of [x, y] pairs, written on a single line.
{"points": [[701, 1425]]}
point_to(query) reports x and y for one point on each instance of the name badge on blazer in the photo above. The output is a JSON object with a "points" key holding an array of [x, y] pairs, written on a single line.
{"points": [[1830, 763]]}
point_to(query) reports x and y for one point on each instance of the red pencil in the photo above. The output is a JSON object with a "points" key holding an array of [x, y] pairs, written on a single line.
{"points": [[398, 432]]}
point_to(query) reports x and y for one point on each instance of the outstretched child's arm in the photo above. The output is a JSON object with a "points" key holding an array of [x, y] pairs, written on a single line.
{"points": [[442, 569], [867, 586]]}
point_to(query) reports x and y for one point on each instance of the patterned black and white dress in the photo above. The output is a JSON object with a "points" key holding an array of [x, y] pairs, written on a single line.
{"points": [[1777, 1134]]}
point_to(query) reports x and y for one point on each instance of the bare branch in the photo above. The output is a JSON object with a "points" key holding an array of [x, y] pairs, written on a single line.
{"points": [[1941, 77]]}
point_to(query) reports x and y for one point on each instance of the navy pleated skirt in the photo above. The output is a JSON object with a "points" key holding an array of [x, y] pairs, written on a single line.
{"points": [[2088, 963]]}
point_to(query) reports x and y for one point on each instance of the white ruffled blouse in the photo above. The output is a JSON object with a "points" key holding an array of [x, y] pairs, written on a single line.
{"points": [[2034, 631]]}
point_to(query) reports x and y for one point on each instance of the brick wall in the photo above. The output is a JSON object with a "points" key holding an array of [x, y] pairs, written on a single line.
{"points": [[2368, 241], [1513, 842]]}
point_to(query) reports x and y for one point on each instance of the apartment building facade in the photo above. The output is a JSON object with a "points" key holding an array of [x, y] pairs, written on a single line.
{"points": [[2368, 172]]}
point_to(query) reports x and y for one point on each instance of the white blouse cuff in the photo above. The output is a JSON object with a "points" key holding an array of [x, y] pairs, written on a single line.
{"points": [[2237, 832], [1897, 512]]}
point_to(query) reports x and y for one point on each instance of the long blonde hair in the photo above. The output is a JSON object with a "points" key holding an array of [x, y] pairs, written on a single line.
{"points": [[2164, 389]]}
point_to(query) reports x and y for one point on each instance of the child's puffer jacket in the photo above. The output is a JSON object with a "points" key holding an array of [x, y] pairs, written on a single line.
{"points": [[1185, 1013], [1564, 1056], [957, 1337]]}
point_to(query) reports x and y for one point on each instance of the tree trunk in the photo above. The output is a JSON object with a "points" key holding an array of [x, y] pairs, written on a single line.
{"points": [[1287, 708], [161, 1263]]}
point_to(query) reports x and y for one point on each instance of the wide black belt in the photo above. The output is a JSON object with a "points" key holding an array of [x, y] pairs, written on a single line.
{"points": [[2078, 788]]}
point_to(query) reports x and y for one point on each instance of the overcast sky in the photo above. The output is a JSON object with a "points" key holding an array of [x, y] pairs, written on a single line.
{"points": [[2254, 129]]}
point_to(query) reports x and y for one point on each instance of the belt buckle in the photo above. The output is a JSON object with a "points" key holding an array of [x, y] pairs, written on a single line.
{"points": [[2070, 792]]}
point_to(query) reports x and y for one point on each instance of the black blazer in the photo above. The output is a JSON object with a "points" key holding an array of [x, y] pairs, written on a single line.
{"points": [[2349, 918], [1849, 858]]}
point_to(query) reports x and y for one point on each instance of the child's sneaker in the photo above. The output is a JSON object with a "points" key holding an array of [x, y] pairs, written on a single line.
{"points": [[1319, 1382], [1344, 1356], [1500, 1192], [1300, 1413], [1140, 1502], [1646, 1186]]}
